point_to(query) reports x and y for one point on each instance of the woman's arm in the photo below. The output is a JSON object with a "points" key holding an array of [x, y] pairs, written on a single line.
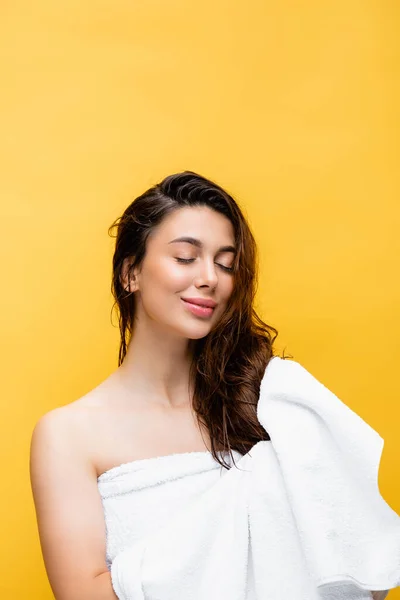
{"points": [[69, 511]]}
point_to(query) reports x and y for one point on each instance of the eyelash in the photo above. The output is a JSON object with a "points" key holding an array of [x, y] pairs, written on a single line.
{"points": [[189, 260]]}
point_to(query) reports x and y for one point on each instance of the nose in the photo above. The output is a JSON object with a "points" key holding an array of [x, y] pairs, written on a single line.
{"points": [[207, 275]]}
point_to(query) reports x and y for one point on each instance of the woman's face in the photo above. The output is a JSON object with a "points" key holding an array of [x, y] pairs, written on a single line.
{"points": [[173, 270]]}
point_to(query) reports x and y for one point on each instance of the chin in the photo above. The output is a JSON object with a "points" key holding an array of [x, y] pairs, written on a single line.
{"points": [[197, 333]]}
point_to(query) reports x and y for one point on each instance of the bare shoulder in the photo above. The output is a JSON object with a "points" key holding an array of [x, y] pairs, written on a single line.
{"points": [[86, 429], [70, 428], [56, 426], [57, 436], [68, 505], [64, 421]]}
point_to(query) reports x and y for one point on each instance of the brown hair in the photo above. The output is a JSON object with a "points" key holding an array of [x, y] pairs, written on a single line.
{"points": [[228, 363]]}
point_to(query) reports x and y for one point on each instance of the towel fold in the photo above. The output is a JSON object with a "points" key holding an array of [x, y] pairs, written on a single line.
{"points": [[300, 517]]}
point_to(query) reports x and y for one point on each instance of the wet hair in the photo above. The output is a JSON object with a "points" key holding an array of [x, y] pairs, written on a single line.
{"points": [[229, 362]]}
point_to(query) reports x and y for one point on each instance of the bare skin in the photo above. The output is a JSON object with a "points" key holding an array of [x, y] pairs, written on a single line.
{"points": [[142, 410], [129, 429]]}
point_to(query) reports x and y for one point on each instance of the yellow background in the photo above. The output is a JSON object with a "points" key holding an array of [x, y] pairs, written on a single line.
{"points": [[292, 106]]}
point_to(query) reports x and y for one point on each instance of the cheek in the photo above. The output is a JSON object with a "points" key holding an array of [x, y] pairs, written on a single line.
{"points": [[228, 288], [169, 276]]}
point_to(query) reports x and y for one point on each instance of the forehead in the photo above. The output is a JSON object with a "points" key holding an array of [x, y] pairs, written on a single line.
{"points": [[201, 222]]}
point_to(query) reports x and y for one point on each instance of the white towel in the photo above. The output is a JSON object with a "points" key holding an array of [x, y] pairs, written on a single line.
{"points": [[300, 517]]}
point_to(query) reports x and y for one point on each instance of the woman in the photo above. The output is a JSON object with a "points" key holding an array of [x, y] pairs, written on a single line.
{"points": [[140, 449]]}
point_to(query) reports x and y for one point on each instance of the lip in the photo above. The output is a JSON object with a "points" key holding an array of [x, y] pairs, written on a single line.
{"points": [[197, 309], [201, 302]]}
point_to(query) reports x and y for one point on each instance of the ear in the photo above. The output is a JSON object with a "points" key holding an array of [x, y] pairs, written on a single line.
{"points": [[128, 278]]}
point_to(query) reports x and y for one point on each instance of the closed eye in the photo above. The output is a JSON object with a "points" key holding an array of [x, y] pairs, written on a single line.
{"points": [[189, 260]]}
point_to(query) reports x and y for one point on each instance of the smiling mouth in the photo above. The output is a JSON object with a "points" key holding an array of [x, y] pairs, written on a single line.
{"points": [[197, 309]]}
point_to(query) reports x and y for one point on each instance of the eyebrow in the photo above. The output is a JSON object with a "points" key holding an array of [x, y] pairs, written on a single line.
{"points": [[199, 244]]}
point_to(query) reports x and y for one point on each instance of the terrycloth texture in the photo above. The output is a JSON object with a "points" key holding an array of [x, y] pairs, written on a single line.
{"points": [[140, 496], [299, 517]]}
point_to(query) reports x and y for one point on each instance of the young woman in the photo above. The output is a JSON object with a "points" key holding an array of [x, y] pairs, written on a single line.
{"points": [[108, 470]]}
